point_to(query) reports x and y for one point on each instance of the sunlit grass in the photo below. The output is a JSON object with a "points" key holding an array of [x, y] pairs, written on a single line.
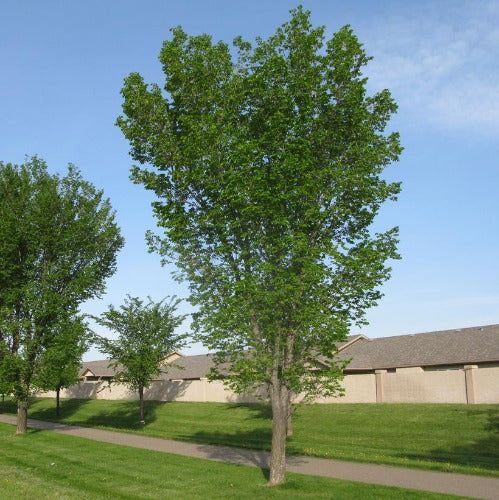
{"points": [[46, 465], [460, 438]]}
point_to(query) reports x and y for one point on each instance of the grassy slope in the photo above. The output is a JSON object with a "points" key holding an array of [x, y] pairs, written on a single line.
{"points": [[457, 438], [53, 466]]}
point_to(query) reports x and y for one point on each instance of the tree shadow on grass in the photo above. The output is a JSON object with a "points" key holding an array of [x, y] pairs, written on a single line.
{"points": [[240, 456], [38, 409], [68, 407], [257, 437], [251, 439], [257, 410], [237, 447], [117, 414], [481, 454], [121, 415], [244, 447]]}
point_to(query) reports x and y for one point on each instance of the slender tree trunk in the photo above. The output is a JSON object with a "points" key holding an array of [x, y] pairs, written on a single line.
{"points": [[279, 397], [22, 417], [57, 402], [3, 402], [141, 397]]}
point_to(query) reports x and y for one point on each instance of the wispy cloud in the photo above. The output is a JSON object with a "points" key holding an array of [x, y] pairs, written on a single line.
{"points": [[441, 61]]}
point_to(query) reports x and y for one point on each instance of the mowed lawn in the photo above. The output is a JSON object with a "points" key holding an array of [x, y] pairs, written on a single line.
{"points": [[459, 438], [46, 465]]}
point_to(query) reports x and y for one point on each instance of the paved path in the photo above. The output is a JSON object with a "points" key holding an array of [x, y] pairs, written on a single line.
{"points": [[440, 482]]}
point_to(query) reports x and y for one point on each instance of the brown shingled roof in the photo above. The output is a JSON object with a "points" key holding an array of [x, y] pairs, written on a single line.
{"points": [[185, 367], [189, 367], [98, 368], [448, 347]]}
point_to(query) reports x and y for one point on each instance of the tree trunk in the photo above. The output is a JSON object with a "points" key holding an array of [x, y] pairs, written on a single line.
{"points": [[22, 417], [141, 397], [57, 402], [279, 396], [3, 401]]}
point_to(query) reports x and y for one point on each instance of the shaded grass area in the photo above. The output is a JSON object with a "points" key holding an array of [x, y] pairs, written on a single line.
{"points": [[453, 438], [43, 465]]}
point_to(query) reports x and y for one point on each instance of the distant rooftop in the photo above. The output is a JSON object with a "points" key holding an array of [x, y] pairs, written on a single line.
{"points": [[448, 347]]}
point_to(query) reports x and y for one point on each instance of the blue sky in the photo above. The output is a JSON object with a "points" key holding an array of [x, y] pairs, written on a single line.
{"points": [[63, 65]]}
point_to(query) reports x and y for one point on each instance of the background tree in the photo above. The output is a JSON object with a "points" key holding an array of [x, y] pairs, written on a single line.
{"points": [[267, 172], [60, 362], [5, 377], [146, 334], [58, 244]]}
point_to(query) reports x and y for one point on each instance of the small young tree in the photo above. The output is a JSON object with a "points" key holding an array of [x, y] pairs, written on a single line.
{"points": [[58, 244], [60, 362], [146, 334], [268, 175]]}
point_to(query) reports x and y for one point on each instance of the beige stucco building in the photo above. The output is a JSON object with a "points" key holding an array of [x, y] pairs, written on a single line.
{"points": [[451, 366]]}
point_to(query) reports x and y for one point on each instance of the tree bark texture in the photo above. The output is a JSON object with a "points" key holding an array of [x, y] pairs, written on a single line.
{"points": [[22, 417], [141, 397], [279, 397], [57, 402]]}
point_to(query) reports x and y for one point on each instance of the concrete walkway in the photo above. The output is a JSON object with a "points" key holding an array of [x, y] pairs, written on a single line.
{"points": [[439, 482]]}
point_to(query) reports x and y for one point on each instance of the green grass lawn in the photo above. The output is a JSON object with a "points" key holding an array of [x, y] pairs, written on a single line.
{"points": [[459, 438], [46, 465]]}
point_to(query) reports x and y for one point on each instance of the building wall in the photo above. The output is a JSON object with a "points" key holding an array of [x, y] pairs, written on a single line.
{"points": [[487, 384], [177, 390], [359, 388], [469, 385], [424, 387]]}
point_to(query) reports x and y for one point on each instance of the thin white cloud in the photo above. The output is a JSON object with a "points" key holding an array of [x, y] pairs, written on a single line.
{"points": [[441, 62]]}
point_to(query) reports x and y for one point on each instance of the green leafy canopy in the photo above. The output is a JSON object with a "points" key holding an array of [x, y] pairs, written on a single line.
{"points": [[58, 244], [267, 171], [59, 365], [146, 335]]}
